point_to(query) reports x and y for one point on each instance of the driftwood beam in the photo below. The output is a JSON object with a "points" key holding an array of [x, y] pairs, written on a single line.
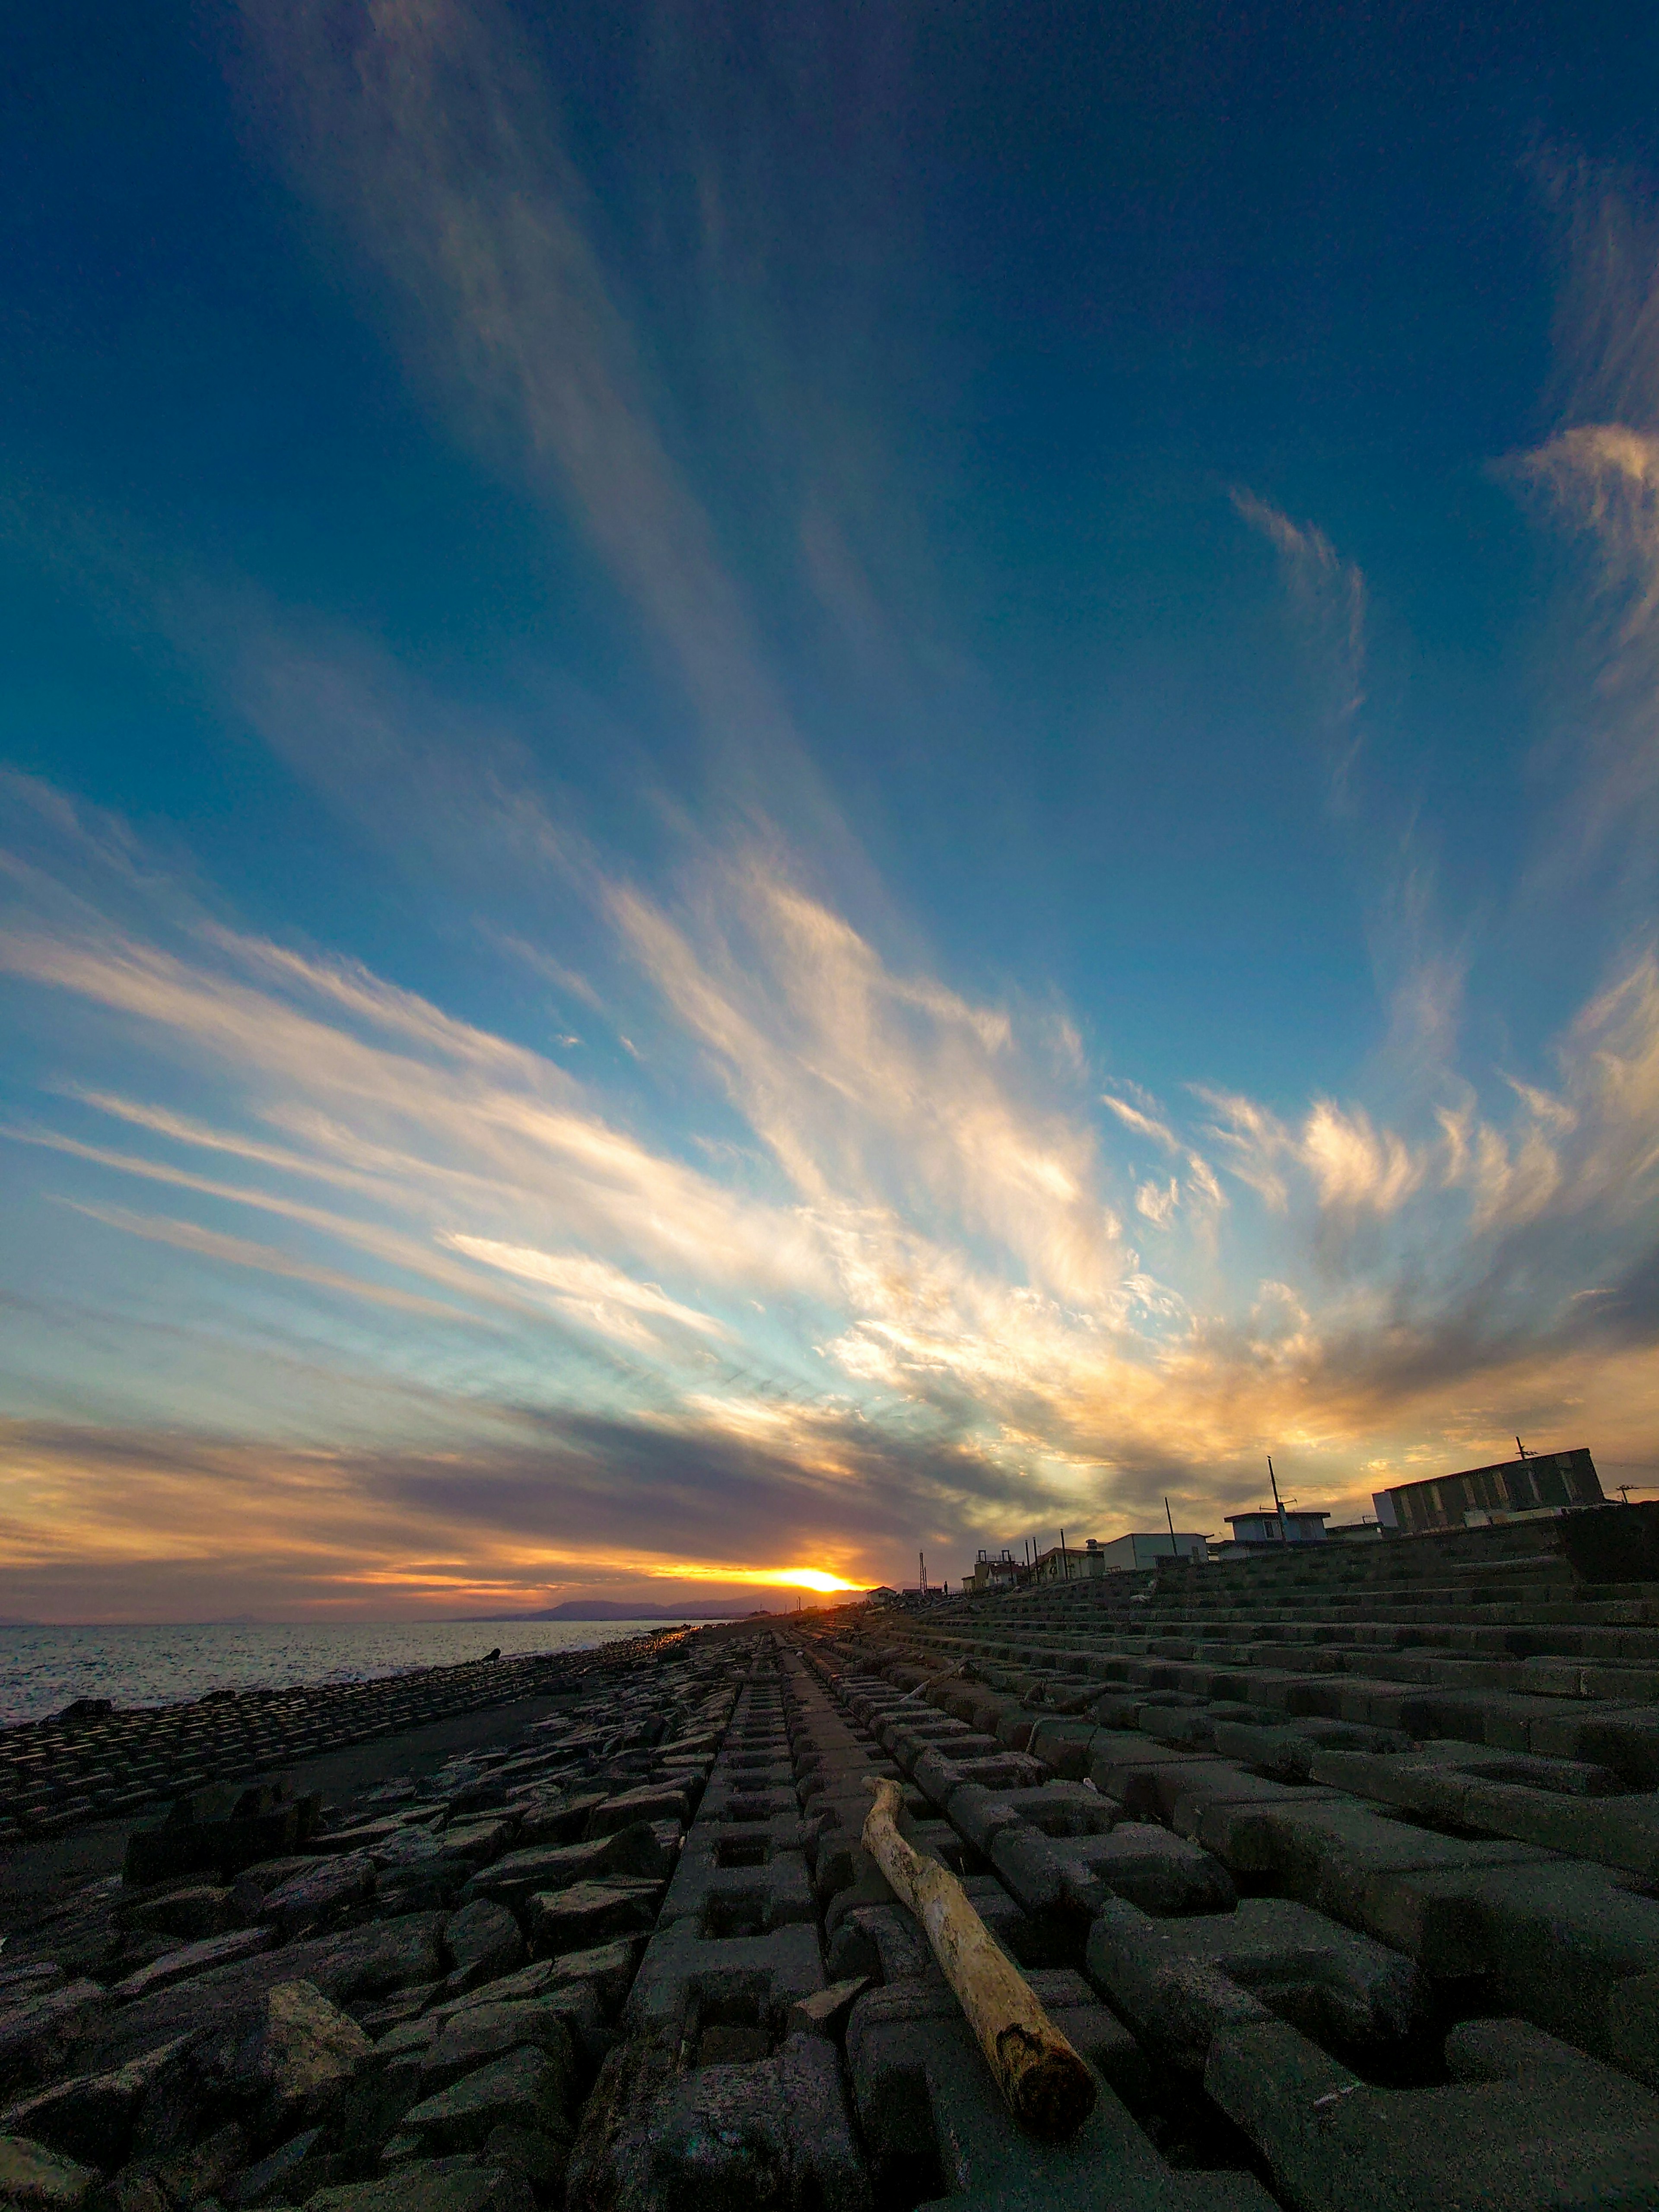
{"points": [[1047, 2086]]}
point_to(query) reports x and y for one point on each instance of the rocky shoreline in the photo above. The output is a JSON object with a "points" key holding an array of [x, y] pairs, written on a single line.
{"points": [[406, 1994], [95, 1761]]}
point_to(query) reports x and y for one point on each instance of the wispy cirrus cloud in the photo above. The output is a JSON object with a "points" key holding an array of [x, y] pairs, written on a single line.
{"points": [[1328, 594], [1143, 1124], [428, 131], [590, 1288]]}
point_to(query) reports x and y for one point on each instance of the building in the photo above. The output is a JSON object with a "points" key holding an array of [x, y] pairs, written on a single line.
{"points": [[1269, 1524], [1000, 1571], [1074, 1563], [1536, 1484]]}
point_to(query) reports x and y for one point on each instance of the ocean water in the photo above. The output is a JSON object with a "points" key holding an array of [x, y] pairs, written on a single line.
{"points": [[42, 1669]]}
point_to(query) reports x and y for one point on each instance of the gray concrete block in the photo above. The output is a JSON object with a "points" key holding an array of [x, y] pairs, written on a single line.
{"points": [[1527, 2124], [1562, 1939], [937, 2128], [735, 1884], [775, 2133], [1180, 1981], [1617, 1831], [687, 1981], [882, 1944]]}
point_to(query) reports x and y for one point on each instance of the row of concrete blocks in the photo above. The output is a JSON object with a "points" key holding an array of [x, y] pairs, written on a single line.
{"points": [[190, 1746], [1586, 1807], [730, 2088], [720, 2091], [1294, 2022], [1569, 1942], [1574, 1721]]}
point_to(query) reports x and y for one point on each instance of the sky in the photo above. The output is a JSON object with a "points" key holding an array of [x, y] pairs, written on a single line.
{"points": [[783, 784]]}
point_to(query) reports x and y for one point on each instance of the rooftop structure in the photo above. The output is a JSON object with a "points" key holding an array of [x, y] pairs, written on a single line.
{"points": [[1122, 1555], [994, 1572], [1272, 1524], [1538, 1483]]}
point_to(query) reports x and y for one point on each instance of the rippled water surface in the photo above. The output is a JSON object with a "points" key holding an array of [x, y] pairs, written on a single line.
{"points": [[41, 1669]]}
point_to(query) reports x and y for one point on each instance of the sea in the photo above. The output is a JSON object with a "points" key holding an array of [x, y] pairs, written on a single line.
{"points": [[43, 1670]]}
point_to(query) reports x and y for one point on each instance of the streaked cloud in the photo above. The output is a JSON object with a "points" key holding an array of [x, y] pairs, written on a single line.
{"points": [[1328, 594], [1144, 1125], [592, 1290], [268, 1259]]}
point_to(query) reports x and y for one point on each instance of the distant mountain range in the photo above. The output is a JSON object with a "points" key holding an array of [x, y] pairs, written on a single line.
{"points": [[604, 1609]]}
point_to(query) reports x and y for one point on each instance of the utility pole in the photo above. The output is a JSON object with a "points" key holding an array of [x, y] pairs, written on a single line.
{"points": [[1284, 1532]]}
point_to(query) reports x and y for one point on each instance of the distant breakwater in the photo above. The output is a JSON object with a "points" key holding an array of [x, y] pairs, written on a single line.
{"points": [[96, 1761]]}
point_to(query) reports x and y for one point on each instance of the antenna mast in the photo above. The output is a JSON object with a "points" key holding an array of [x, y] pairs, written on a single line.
{"points": [[1284, 1532]]}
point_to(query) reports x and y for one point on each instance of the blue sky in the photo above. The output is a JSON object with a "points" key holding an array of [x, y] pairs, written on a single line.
{"points": [[784, 783]]}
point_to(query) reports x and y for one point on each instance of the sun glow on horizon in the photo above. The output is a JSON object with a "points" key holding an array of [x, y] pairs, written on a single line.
{"points": [[812, 1578]]}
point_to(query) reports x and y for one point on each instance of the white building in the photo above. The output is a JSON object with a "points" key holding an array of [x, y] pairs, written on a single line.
{"points": [[1071, 1563], [1268, 1524]]}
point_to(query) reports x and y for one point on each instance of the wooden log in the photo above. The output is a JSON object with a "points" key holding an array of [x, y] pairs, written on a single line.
{"points": [[1048, 2087]]}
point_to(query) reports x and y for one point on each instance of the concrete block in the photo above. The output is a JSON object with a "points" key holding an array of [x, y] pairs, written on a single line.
{"points": [[734, 1884], [1625, 1738], [1285, 1750], [1163, 1873], [1197, 1799], [939, 1773], [1142, 1777], [1561, 1940], [688, 1981], [1633, 2027], [1064, 1745], [939, 2132], [775, 2133], [980, 1815], [1526, 2124], [881, 1943], [1619, 1832], [1180, 1981]]}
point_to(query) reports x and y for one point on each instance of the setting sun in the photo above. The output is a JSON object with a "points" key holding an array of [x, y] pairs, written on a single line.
{"points": [[812, 1578]]}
